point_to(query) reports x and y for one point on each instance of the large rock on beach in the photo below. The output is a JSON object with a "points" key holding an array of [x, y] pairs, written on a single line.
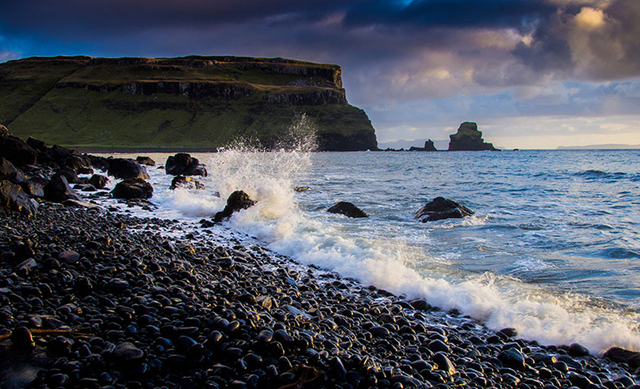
{"points": [[100, 163], [126, 168], [13, 198], [9, 172], [133, 188], [17, 151], [441, 208], [468, 138], [98, 181], [347, 209], [237, 201], [631, 358], [58, 189], [183, 164]]}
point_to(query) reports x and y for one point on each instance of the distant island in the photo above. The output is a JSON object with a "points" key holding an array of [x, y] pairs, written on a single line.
{"points": [[193, 102], [466, 138]]}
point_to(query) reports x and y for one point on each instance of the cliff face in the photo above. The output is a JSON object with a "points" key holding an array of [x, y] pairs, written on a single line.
{"points": [[468, 138], [188, 102]]}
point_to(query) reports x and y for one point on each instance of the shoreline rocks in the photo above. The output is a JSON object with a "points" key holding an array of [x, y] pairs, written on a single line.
{"points": [[115, 303]]}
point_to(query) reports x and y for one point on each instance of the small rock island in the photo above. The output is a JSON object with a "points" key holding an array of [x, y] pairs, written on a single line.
{"points": [[468, 138]]}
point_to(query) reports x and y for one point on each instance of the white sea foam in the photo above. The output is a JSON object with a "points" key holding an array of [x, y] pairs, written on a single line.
{"points": [[383, 259]]}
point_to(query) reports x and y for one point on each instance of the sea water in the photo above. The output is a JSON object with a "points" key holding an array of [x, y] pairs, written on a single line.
{"points": [[553, 248]]}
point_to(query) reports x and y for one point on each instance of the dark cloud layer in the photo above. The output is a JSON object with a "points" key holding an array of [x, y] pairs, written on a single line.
{"points": [[423, 59]]}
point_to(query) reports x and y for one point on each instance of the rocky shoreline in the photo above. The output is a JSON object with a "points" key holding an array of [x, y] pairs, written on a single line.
{"points": [[96, 299]]}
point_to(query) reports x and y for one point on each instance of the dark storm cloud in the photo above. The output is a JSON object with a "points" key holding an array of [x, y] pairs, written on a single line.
{"points": [[97, 17], [587, 42]]}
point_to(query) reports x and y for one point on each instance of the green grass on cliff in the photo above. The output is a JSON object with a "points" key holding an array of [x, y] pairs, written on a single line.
{"points": [[58, 100], [81, 118]]}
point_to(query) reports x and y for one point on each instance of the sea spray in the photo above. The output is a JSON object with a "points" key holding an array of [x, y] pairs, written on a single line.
{"points": [[493, 267]]}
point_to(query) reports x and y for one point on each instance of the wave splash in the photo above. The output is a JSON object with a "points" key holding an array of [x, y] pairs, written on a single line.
{"points": [[333, 243]]}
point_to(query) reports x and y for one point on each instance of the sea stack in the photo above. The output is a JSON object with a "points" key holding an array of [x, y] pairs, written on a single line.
{"points": [[468, 138]]}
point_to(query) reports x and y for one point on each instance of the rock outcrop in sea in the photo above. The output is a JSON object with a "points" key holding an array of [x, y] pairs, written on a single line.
{"points": [[441, 208], [468, 138], [347, 209], [174, 104], [428, 146]]}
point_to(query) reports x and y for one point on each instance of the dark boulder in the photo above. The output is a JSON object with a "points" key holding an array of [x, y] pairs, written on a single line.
{"points": [[347, 209], [10, 172], [100, 163], [468, 138], [37, 145], [80, 164], [17, 151], [126, 169], [133, 188], [621, 355], [146, 161], [98, 181], [183, 164], [13, 198], [237, 201], [441, 208], [58, 189], [34, 186], [185, 183], [70, 175]]}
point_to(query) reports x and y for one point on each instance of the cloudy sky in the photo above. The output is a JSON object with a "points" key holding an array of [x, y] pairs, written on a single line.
{"points": [[531, 73]]}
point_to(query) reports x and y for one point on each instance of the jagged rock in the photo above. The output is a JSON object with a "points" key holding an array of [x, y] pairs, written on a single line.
{"points": [[70, 175], [10, 172], [98, 181], [63, 157], [4, 131], [237, 201], [347, 209], [428, 146], [441, 208], [468, 138], [37, 144], [100, 163], [126, 169], [183, 164], [17, 151], [186, 183], [34, 186], [58, 189], [133, 188], [146, 161], [13, 198]]}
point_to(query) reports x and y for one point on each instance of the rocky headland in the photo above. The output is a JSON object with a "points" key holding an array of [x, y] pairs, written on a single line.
{"points": [[468, 138], [185, 103]]}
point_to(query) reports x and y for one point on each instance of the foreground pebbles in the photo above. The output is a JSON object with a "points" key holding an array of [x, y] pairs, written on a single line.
{"points": [[99, 300]]}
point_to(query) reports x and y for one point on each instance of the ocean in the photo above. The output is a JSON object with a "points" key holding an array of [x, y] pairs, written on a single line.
{"points": [[553, 249]]}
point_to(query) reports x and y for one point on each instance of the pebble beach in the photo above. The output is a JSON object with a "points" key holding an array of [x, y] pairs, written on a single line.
{"points": [[97, 299]]}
